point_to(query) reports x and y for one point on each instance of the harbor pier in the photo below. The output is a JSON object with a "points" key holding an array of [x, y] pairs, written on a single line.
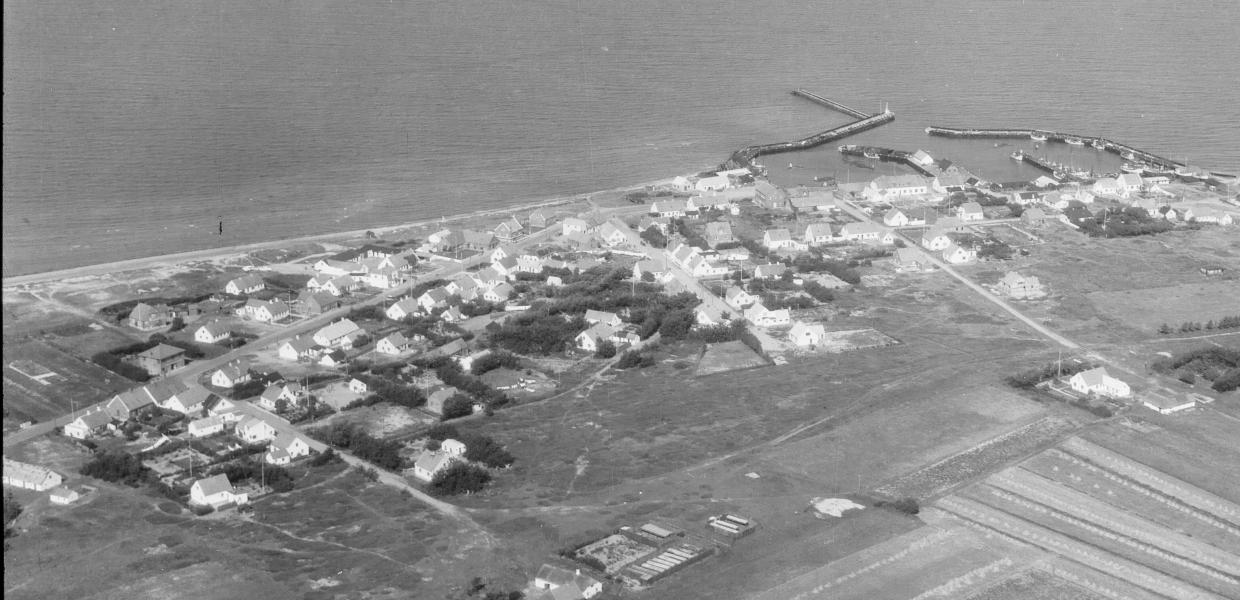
{"points": [[744, 157]]}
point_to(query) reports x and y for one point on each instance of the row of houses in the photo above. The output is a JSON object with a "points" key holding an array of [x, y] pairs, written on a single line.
{"points": [[339, 277], [816, 234], [965, 213]]}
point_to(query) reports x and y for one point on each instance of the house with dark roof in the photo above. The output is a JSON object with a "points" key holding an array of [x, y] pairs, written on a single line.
{"points": [[246, 284], [162, 359], [88, 425], [148, 317]]}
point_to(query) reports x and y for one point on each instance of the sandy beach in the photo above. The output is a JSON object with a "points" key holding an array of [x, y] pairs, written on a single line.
{"points": [[164, 260]]}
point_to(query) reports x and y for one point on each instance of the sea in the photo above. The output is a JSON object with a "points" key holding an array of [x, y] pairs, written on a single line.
{"points": [[133, 128]]}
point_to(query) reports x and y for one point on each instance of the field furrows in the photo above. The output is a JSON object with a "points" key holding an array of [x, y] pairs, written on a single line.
{"points": [[1084, 476], [1100, 513], [925, 564], [953, 470], [1096, 581], [1185, 492], [1086, 530], [1071, 548]]}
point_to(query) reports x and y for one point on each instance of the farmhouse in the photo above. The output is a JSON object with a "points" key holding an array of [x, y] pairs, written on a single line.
{"points": [[88, 425], [776, 239], [560, 583], [1098, 381], [908, 259], [340, 334], [430, 464], [895, 186], [212, 332], [64, 495], [146, 317], [806, 334], [590, 339], [162, 359], [215, 491], [30, 477], [265, 311], [1015, 285], [128, 403], [246, 284]]}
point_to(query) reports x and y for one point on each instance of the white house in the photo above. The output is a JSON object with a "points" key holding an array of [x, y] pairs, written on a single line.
{"points": [[908, 259], [896, 186], [1208, 215], [716, 183], [771, 271], [739, 298], [776, 239], [211, 333], [563, 583], [453, 447], [297, 348], [573, 225], [807, 334], [935, 240], [215, 491], [668, 207], [1098, 381], [1168, 404], [430, 464], [1129, 183], [231, 374], [253, 430], [760, 316], [895, 218], [1015, 285], [818, 233], [246, 284], [31, 477], [1106, 186], [861, 231], [286, 448], [64, 495], [709, 315], [957, 255], [402, 308], [289, 392], [340, 334], [88, 425], [357, 386], [265, 311], [601, 316], [206, 426], [340, 285], [190, 400], [590, 339], [499, 293], [393, 345], [970, 211]]}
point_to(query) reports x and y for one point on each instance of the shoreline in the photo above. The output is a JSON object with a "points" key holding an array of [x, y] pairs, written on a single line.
{"points": [[131, 264]]}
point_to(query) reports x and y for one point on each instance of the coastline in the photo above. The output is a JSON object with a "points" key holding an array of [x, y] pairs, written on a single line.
{"points": [[131, 264]]}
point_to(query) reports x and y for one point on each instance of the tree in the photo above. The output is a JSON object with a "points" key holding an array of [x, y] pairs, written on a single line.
{"points": [[676, 324], [654, 237], [281, 406], [1165, 329], [458, 405], [606, 349], [12, 510]]}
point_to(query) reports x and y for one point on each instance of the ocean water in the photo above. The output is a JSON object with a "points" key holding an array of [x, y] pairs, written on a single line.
{"points": [[131, 128]]}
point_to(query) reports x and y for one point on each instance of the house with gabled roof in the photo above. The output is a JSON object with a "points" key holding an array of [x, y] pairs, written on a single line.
{"points": [[777, 239], [266, 311], [768, 195], [656, 267], [287, 447], [762, 317], [861, 231], [612, 235], [1099, 381], [1128, 183], [298, 348], [573, 225], [340, 285], [509, 230], [714, 183], [1033, 216], [232, 374], [254, 430], [333, 358], [818, 233], [1205, 214], [212, 332], [807, 334], [908, 259], [127, 404], [770, 271], [499, 293], [334, 268], [146, 317], [88, 425], [601, 316], [896, 186], [810, 200], [246, 284], [393, 345], [290, 392], [191, 400], [339, 334], [957, 255], [215, 491], [429, 464], [935, 240], [540, 219], [558, 583], [1106, 186], [669, 207], [434, 298], [970, 211], [895, 218], [30, 477], [403, 308], [590, 339], [437, 395], [737, 297], [718, 232], [710, 315], [206, 426]]}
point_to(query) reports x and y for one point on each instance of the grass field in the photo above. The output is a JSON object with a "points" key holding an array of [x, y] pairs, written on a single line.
{"points": [[69, 380], [1149, 308], [728, 356]]}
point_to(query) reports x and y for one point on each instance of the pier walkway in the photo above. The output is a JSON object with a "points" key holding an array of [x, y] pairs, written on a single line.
{"points": [[889, 155], [829, 103], [744, 157]]}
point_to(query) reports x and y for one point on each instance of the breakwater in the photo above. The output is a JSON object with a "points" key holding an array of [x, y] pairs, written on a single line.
{"points": [[744, 157], [1124, 150], [829, 103], [890, 155]]}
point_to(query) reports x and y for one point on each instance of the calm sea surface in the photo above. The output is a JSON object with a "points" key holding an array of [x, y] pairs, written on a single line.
{"points": [[131, 127]]}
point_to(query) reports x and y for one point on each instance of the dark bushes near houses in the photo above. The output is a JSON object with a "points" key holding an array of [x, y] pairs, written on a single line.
{"points": [[459, 405], [117, 467], [352, 437], [278, 479], [460, 478], [497, 359], [1029, 378]]}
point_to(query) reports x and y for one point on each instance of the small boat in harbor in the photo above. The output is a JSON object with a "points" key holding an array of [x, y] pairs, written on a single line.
{"points": [[1038, 136], [1132, 167], [1074, 141], [1099, 144], [1127, 155], [871, 154], [1018, 155]]}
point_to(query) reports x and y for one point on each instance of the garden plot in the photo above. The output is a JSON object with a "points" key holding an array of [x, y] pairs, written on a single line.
{"points": [[615, 552], [728, 356]]}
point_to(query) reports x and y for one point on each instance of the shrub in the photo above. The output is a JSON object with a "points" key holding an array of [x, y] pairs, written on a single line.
{"points": [[203, 509], [118, 467], [606, 349], [459, 405], [907, 506], [460, 478], [325, 457]]}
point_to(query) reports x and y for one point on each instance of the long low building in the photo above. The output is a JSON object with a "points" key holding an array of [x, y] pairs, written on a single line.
{"points": [[30, 477]]}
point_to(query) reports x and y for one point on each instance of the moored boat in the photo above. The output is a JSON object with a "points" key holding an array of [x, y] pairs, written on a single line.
{"points": [[1127, 155], [871, 154], [1074, 141], [1132, 167], [1099, 144], [1018, 155], [1038, 136]]}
